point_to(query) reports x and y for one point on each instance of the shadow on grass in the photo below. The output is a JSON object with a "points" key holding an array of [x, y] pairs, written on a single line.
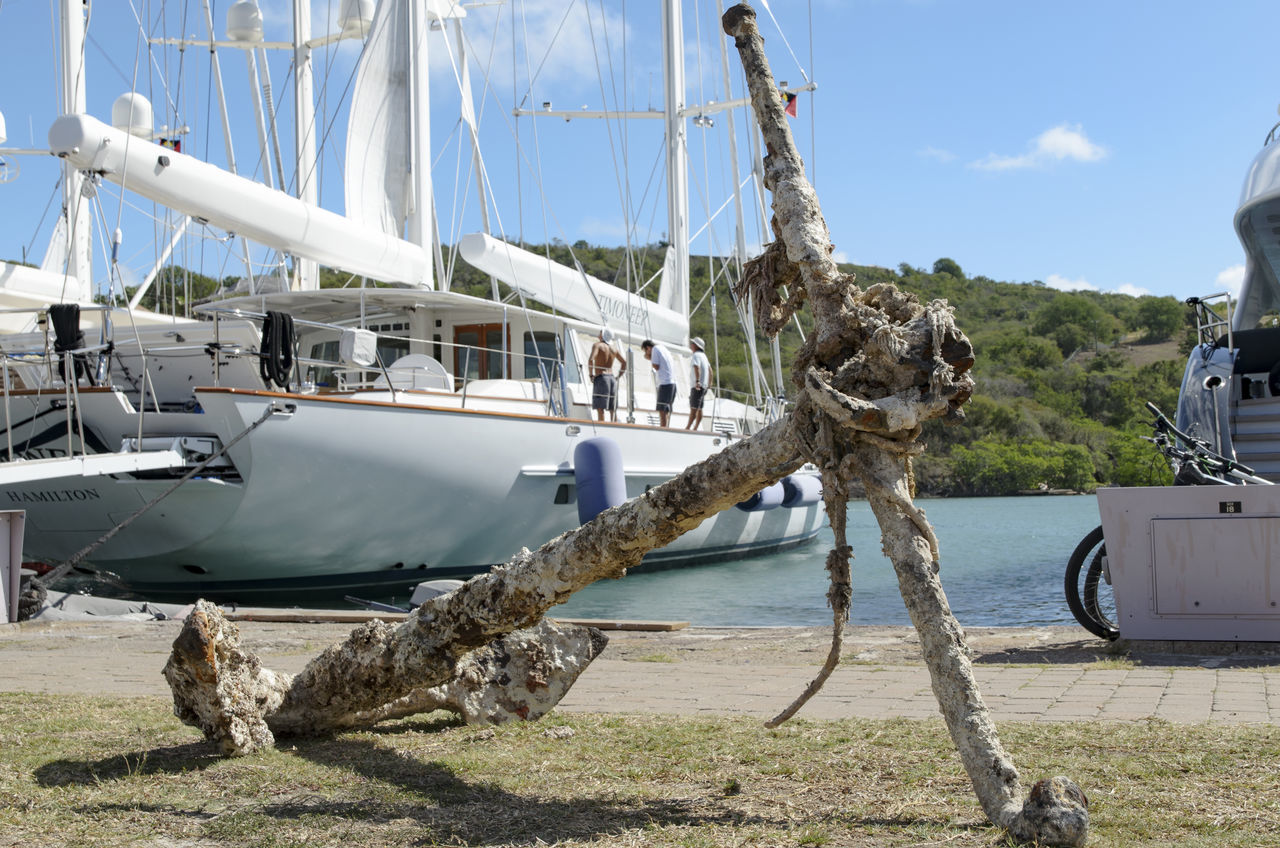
{"points": [[448, 806], [174, 759], [478, 812]]}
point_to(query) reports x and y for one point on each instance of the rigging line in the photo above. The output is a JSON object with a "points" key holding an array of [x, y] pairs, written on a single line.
{"points": [[533, 75], [113, 268], [655, 178], [632, 270], [631, 263], [813, 118], [459, 203], [139, 21], [794, 58], [524, 24], [57, 187], [545, 212], [621, 175], [332, 121], [533, 165], [54, 70], [613, 153], [485, 70], [485, 90], [705, 193], [516, 151], [107, 58]]}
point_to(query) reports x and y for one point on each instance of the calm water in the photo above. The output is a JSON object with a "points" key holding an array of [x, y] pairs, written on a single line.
{"points": [[1002, 564]]}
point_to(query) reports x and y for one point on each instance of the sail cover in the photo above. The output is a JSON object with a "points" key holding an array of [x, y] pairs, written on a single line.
{"points": [[378, 124], [377, 160], [572, 292]]}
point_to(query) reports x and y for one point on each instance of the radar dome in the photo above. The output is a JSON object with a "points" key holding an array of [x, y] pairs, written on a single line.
{"points": [[131, 113], [244, 21], [355, 18]]}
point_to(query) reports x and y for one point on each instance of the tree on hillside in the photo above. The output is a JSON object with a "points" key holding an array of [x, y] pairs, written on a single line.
{"points": [[948, 266], [1162, 317], [175, 290], [1072, 320]]}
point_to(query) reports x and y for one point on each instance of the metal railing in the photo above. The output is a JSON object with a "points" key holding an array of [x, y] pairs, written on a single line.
{"points": [[308, 369]]}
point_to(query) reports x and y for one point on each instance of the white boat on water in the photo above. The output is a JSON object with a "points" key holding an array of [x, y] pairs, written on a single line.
{"points": [[297, 442]]}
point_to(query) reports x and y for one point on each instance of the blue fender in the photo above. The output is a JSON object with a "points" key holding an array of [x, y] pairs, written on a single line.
{"points": [[801, 490], [597, 472], [770, 497]]}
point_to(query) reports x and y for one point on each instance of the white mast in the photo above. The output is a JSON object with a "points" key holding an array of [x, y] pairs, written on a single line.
{"points": [[79, 267], [677, 147], [419, 227], [469, 120], [308, 276]]}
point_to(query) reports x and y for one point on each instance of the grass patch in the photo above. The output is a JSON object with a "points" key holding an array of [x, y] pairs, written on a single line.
{"points": [[1101, 662], [115, 772]]}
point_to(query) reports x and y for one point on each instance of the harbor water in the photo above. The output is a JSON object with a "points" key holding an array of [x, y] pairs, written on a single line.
{"points": [[1002, 565]]}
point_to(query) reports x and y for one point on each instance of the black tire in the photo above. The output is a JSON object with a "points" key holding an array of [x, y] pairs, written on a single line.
{"points": [[1099, 599], [1092, 605]]}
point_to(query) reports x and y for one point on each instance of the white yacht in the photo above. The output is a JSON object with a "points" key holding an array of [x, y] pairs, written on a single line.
{"points": [[293, 442]]}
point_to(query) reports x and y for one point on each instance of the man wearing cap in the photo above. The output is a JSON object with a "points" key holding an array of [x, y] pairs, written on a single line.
{"points": [[701, 379], [657, 354], [604, 386]]}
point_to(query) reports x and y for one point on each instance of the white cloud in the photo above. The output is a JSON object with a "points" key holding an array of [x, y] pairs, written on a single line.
{"points": [[839, 256], [602, 230], [938, 155], [562, 48], [1231, 279], [1057, 281], [1060, 143]]}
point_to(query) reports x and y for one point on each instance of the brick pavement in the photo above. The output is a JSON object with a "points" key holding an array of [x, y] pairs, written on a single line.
{"points": [[1015, 693], [754, 674]]}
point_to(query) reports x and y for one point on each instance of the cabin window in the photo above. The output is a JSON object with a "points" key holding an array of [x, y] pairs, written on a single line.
{"points": [[392, 340], [478, 351], [322, 376], [540, 347]]}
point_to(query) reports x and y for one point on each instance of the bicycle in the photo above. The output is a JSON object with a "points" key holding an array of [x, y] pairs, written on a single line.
{"points": [[1193, 463]]}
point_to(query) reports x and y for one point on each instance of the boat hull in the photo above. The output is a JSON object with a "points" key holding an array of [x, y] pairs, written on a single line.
{"points": [[329, 500]]}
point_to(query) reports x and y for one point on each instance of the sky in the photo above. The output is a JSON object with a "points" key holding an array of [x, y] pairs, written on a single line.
{"points": [[1087, 145]]}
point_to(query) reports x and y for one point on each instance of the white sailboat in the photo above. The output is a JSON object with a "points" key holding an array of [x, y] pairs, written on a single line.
{"points": [[357, 440]]}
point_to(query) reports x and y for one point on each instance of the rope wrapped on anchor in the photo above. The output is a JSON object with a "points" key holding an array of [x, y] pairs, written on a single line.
{"points": [[840, 414]]}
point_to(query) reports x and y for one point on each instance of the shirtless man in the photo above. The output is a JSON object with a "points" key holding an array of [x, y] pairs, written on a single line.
{"points": [[604, 394]]}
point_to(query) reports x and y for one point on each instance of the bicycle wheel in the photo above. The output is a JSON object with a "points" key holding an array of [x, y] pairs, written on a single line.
{"points": [[1079, 597], [1099, 599]]}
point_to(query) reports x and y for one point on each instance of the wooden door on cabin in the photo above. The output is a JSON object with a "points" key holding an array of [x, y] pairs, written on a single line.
{"points": [[479, 351]]}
